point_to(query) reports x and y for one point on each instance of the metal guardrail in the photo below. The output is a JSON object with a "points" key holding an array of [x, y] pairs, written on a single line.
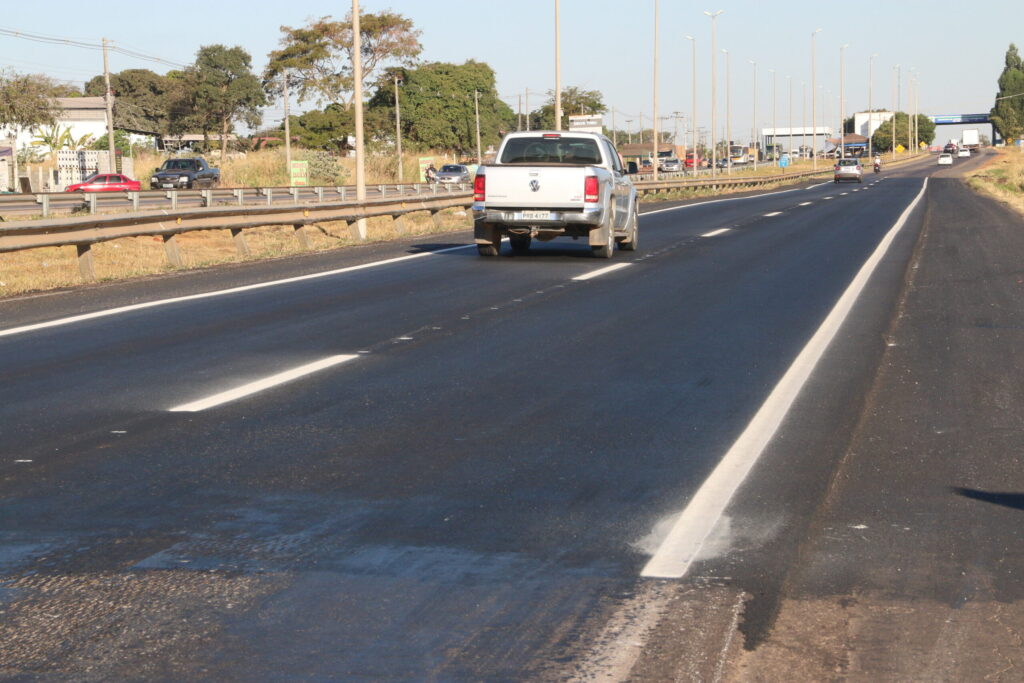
{"points": [[84, 231]]}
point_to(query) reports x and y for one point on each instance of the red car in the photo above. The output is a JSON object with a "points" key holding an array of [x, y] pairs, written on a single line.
{"points": [[106, 182]]}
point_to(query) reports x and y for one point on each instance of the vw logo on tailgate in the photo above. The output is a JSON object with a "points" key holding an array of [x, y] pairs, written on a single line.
{"points": [[534, 185]]}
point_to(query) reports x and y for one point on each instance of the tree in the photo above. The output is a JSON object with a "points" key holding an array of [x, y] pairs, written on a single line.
{"points": [[438, 107], [574, 101], [882, 140], [142, 99], [26, 102], [1008, 113], [327, 129], [318, 57], [224, 90]]}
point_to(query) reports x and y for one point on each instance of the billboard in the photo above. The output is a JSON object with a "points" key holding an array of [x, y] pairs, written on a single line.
{"points": [[589, 123]]}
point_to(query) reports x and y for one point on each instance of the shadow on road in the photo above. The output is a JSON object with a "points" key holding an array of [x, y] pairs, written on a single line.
{"points": [[1010, 500]]}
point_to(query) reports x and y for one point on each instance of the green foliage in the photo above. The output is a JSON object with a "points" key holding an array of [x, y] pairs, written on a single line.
{"points": [[122, 143], [143, 99], [882, 139], [222, 90], [55, 137], [438, 108], [323, 167], [26, 101], [318, 57], [326, 129], [574, 101], [1008, 114]]}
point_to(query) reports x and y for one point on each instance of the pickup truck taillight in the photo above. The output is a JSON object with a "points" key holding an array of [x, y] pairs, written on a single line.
{"points": [[590, 189], [479, 185]]}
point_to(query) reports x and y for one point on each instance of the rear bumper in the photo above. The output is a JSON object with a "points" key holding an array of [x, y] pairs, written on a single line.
{"points": [[589, 217]]}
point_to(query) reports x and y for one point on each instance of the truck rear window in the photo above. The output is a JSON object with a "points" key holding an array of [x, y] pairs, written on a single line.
{"points": [[551, 151]]}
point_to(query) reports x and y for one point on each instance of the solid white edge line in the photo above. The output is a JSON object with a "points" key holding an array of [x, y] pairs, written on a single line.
{"points": [[221, 292], [686, 538], [259, 385], [600, 271], [713, 233]]}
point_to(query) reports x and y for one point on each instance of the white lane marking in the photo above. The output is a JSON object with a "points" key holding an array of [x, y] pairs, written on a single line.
{"points": [[773, 213], [601, 271], [222, 292], [727, 199], [818, 185], [260, 385], [806, 203], [683, 543], [828, 197], [857, 190], [716, 232], [843, 194]]}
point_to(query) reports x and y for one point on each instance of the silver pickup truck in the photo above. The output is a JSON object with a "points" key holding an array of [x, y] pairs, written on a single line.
{"points": [[548, 184]]}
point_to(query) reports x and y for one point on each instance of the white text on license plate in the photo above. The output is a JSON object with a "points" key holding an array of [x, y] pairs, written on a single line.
{"points": [[536, 215]]}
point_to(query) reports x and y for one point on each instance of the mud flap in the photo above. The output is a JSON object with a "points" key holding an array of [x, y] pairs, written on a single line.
{"points": [[599, 236], [486, 233]]}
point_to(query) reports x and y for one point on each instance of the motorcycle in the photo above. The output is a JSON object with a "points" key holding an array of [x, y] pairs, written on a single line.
{"points": [[878, 168]]}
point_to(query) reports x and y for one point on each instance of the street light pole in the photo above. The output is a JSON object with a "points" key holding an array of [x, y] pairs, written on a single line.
{"points": [[842, 100], [654, 159], [803, 118], [753, 129], [357, 96], [714, 77], [789, 133], [398, 133], [814, 106], [693, 101], [558, 73], [895, 107], [871, 111], [775, 130], [728, 115]]}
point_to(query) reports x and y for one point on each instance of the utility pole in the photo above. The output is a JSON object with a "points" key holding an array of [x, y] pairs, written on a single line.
{"points": [[895, 107], [287, 129], [527, 102], [357, 96], [654, 158], [814, 107], [398, 133], [775, 129], [728, 114], [629, 130], [842, 100], [803, 118], [109, 101], [615, 140], [693, 101], [714, 78], [558, 73], [753, 129], [519, 114], [789, 133], [871, 111], [476, 108]]}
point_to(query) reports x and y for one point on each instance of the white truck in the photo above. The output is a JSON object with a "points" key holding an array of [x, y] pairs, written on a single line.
{"points": [[548, 184], [969, 138]]}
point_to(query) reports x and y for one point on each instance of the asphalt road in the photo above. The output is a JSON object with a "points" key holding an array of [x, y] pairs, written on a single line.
{"points": [[473, 477]]}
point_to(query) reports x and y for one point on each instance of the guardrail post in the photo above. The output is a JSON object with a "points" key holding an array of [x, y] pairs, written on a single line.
{"points": [[207, 197], [294, 192], [171, 250], [320, 194], [133, 197], [419, 187], [240, 196], [383, 190], [302, 237], [240, 244], [85, 263], [44, 199], [269, 192], [92, 203], [173, 196], [341, 192], [399, 223], [435, 188]]}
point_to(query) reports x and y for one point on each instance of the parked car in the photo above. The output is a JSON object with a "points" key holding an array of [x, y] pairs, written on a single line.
{"points": [[963, 152], [454, 173], [671, 165], [185, 174], [847, 169], [646, 166], [945, 159], [106, 182]]}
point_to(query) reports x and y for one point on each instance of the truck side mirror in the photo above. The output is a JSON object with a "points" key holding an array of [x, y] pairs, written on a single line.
{"points": [[631, 167]]}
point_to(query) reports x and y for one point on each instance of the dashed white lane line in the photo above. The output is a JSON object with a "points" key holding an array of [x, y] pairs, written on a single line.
{"points": [[601, 271], [843, 194], [221, 292], [828, 197], [261, 384], [806, 203], [715, 232], [693, 526], [773, 213]]}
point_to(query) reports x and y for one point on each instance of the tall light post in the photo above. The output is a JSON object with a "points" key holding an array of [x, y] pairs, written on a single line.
{"points": [[803, 118], [714, 77], [775, 130], [357, 96], [654, 157], [842, 100], [693, 103], [728, 115], [814, 105], [789, 135], [871, 111], [558, 72], [753, 127], [895, 105], [629, 130], [398, 134]]}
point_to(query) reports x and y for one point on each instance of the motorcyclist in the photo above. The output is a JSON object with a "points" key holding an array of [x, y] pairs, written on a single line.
{"points": [[878, 163], [431, 174]]}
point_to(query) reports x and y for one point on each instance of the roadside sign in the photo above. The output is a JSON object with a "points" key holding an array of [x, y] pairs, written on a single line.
{"points": [[784, 161], [299, 173], [901, 149], [425, 163], [587, 123]]}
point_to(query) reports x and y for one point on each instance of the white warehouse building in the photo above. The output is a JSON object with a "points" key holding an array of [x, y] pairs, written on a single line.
{"points": [[867, 122]]}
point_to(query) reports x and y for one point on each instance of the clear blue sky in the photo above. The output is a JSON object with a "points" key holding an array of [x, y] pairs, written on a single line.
{"points": [[956, 47]]}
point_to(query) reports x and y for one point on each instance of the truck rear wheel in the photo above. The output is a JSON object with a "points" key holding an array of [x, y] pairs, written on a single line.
{"points": [[608, 248], [630, 242], [487, 250]]}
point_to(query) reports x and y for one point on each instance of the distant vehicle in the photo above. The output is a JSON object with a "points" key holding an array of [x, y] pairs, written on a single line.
{"points": [[106, 182], [646, 166], [945, 159], [848, 169], [723, 163], [970, 139], [950, 148], [671, 165], [693, 160], [963, 152], [177, 174], [739, 155], [548, 184], [453, 173]]}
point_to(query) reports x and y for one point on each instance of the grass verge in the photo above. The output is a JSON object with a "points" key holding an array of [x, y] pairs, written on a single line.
{"points": [[1002, 178]]}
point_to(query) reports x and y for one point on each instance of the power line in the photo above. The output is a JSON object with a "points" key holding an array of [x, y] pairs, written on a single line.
{"points": [[71, 42]]}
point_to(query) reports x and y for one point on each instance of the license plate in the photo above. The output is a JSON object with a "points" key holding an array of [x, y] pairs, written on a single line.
{"points": [[536, 215], [167, 185]]}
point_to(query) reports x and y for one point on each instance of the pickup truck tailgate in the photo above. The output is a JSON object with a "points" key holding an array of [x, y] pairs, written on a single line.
{"points": [[539, 187]]}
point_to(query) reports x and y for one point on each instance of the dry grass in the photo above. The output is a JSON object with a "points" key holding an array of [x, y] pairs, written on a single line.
{"points": [[1002, 178], [55, 267]]}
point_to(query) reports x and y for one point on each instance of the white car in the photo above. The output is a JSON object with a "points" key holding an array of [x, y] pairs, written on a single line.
{"points": [[945, 160], [963, 152]]}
